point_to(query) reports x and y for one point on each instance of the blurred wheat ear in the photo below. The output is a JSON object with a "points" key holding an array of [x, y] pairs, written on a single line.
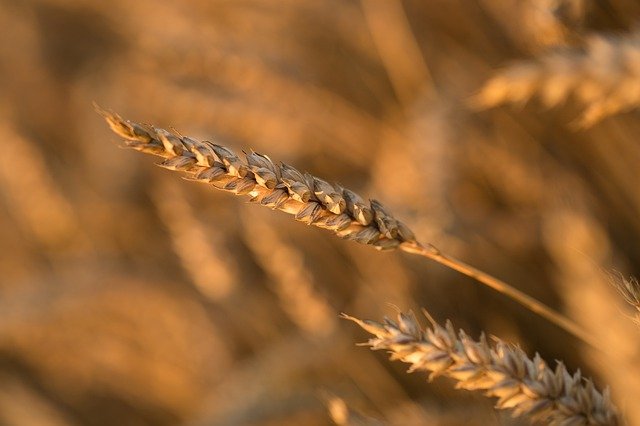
{"points": [[528, 387], [309, 199], [342, 415], [603, 76]]}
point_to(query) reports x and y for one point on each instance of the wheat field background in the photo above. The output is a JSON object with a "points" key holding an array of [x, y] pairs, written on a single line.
{"points": [[503, 132]]}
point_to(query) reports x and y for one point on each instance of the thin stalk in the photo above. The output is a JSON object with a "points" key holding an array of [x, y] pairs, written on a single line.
{"points": [[431, 252]]}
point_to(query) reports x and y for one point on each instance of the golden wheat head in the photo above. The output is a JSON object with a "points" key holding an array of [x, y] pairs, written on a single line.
{"points": [[528, 387]]}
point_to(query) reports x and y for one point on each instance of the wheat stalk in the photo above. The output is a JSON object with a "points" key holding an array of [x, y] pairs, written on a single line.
{"points": [[529, 387], [604, 76], [309, 199]]}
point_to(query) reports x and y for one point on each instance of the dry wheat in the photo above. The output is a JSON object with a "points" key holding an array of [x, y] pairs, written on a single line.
{"points": [[310, 199], [529, 387], [279, 186], [604, 77], [630, 291]]}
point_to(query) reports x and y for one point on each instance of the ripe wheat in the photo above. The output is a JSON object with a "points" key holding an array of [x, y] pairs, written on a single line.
{"points": [[310, 199], [604, 77], [529, 387], [279, 186]]}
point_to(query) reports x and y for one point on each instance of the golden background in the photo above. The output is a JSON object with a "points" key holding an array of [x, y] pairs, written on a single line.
{"points": [[131, 297]]}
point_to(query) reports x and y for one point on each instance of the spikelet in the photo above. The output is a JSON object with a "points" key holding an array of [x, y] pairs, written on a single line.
{"points": [[528, 387]]}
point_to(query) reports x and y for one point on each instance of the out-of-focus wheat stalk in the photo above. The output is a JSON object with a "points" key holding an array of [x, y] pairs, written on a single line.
{"points": [[529, 387], [604, 76], [398, 48], [207, 264], [342, 415], [256, 85], [310, 199]]}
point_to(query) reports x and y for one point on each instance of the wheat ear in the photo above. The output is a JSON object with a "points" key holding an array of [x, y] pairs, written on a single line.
{"points": [[310, 199], [603, 76], [529, 387], [279, 186]]}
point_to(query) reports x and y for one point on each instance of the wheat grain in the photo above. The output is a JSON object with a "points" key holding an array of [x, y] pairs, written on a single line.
{"points": [[210, 267], [528, 387], [289, 277], [41, 207], [604, 76]]}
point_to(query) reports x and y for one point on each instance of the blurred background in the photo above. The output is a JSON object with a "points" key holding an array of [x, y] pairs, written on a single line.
{"points": [[129, 296]]}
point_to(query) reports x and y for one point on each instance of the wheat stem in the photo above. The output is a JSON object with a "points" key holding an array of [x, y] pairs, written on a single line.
{"points": [[309, 199], [529, 387], [431, 252]]}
